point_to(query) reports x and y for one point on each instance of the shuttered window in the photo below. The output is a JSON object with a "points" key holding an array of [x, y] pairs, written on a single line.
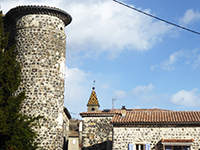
{"points": [[130, 146], [142, 147], [147, 146]]}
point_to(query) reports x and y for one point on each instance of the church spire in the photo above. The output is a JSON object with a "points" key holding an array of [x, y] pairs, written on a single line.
{"points": [[93, 104]]}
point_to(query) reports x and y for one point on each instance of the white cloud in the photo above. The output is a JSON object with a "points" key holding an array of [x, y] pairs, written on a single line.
{"points": [[76, 85], [111, 28], [181, 57], [196, 63], [119, 94], [103, 26], [169, 64], [140, 90], [189, 17], [105, 86], [186, 98]]}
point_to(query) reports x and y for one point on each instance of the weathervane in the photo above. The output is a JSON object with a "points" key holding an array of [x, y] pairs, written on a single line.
{"points": [[94, 82], [93, 85]]}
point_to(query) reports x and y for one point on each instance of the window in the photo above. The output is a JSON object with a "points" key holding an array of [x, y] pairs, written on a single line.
{"points": [[168, 147], [186, 147], [132, 146], [142, 146], [177, 147], [74, 141], [93, 109], [139, 147]]}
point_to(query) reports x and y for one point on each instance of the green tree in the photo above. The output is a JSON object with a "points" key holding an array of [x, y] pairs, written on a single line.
{"points": [[16, 131]]}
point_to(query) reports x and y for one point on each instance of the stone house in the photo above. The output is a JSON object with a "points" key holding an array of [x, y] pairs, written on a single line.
{"points": [[73, 143], [66, 119], [96, 126], [156, 129], [139, 129]]}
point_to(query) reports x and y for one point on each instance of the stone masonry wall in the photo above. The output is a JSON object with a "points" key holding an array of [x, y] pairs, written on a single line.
{"points": [[40, 41], [96, 131], [65, 126], [153, 135], [65, 130]]}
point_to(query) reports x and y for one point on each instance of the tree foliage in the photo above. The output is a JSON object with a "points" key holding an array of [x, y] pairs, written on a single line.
{"points": [[16, 129]]}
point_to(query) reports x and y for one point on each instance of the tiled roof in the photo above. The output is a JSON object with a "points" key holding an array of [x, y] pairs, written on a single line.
{"points": [[107, 112], [93, 101], [111, 112], [35, 9], [157, 117], [73, 133]]}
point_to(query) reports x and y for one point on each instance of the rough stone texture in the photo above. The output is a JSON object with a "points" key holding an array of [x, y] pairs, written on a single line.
{"points": [[40, 50], [153, 135], [40, 41], [96, 132], [65, 129]]}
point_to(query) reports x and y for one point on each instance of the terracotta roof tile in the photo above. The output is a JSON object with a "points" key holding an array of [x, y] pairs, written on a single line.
{"points": [[158, 117], [113, 111]]}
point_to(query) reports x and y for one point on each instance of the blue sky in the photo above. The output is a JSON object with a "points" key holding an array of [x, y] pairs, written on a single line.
{"points": [[141, 61]]}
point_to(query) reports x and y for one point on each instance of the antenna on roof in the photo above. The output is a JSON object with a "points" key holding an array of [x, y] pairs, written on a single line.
{"points": [[114, 99]]}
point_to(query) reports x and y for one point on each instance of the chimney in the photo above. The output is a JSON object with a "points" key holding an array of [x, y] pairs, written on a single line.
{"points": [[123, 111]]}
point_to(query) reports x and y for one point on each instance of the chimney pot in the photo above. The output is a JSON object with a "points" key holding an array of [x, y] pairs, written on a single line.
{"points": [[123, 111]]}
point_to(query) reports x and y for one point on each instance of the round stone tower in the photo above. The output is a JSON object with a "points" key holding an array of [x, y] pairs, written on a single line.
{"points": [[39, 35]]}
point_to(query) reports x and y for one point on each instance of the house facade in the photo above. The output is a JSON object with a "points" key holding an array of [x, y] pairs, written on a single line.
{"points": [[96, 126], [154, 129], [66, 119], [73, 143], [139, 129]]}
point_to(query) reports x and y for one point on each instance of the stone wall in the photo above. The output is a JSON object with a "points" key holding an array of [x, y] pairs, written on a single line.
{"points": [[41, 43], [153, 135], [65, 130], [41, 46], [97, 132]]}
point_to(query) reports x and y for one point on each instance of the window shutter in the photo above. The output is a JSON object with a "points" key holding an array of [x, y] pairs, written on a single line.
{"points": [[130, 146], [147, 146]]}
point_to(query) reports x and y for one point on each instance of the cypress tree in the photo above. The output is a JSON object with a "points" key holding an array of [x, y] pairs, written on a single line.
{"points": [[16, 129]]}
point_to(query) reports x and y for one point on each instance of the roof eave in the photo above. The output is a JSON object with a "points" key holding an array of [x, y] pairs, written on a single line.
{"points": [[96, 115], [34, 9]]}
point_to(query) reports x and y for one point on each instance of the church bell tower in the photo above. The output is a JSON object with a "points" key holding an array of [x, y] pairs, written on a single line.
{"points": [[93, 104]]}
